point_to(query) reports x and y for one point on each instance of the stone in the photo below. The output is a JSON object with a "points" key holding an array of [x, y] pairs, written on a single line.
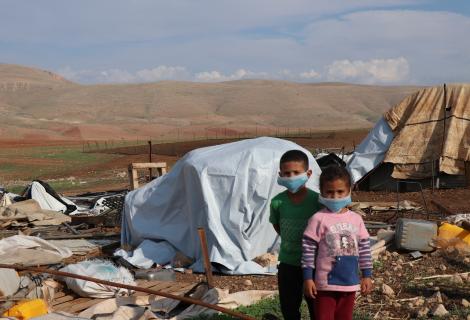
{"points": [[121, 174], [451, 250], [423, 312], [435, 253], [419, 302], [443, 267], [440, 311], [456, 279], [181, 261], [266, 260], [437, 297], [465, 303], [387, 290], [247, 283], [466, 260]]}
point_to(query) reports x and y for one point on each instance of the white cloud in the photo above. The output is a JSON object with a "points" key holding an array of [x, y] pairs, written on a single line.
{"points": [[116, 75], [216, 76], [430, 41], [122, 76], [162, 73], [310, 75], [371, 71]]}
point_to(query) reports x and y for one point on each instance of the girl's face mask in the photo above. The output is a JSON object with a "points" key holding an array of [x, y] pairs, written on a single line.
{"points": [[335, 205], [293, 184]]}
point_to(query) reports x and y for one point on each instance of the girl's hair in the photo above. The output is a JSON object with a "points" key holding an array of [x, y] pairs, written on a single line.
{"points": [[335, 172]]}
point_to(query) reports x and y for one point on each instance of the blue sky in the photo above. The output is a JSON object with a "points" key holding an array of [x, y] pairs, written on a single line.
{"points": [[361, 41]]}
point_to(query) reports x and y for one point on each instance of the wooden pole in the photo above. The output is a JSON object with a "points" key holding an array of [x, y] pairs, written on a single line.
{"points": [[205, 253], [129, 287]]}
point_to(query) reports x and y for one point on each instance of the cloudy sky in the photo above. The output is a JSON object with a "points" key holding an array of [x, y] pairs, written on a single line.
{"points": [[361, 41]]}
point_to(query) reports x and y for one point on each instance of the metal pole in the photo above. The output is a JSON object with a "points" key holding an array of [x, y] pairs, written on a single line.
{"points": [[444, 107], [129, 287], [150, 159]]}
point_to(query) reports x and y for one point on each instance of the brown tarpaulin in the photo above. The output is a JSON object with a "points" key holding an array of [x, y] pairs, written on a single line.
{"points": [[427, 137]]}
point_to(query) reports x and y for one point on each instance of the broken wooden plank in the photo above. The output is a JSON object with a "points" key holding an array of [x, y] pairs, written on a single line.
{"points": [[80, 306], [147, 165], [62, 300], [66, 306]]}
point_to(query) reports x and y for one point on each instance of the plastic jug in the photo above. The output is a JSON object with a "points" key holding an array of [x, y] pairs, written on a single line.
{"points": [[27, 309], [415, 235], [451, 231]]}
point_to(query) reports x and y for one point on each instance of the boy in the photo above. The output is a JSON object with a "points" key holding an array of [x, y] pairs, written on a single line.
{"points": [[290, 212]]}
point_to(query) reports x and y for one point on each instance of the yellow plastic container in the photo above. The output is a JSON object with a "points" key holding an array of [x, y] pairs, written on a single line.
{"points": [[27, 309], [451, 231]]}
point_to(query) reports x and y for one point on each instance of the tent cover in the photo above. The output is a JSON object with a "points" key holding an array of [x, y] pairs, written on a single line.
{"points": [[426, 132], [226, 189]]}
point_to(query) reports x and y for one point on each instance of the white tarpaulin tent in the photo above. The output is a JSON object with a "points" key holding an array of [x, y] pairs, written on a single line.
{"points": [[226, 189]]}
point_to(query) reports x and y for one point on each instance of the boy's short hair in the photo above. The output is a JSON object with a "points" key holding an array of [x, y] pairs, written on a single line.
{"points": [[334, 172], [294, 155]]}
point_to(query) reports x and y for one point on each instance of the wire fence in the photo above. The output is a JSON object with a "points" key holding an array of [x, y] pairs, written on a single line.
{"points": [[208, 134]]}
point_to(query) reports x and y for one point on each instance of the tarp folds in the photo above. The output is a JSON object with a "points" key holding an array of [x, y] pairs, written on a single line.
{"points": [[226, 189], [30, 251], [371, 152], [426, 133]]}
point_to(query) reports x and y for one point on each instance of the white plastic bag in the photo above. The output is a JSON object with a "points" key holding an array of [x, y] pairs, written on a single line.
{"points": [[103, 270]]}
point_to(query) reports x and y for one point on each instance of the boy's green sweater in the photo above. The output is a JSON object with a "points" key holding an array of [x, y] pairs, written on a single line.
{"points": [[292, 219]]}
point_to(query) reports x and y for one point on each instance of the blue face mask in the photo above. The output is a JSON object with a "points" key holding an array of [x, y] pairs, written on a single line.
{"points": [[293, 184], [335, 205]]}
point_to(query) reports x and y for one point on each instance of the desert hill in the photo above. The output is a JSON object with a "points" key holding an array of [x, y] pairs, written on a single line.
{"points": [[37, 104]]}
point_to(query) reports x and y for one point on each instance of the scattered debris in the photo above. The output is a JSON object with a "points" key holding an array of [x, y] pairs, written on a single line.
{"points": [[30, 251], [9, 282], [103, 270], [387, 290]]}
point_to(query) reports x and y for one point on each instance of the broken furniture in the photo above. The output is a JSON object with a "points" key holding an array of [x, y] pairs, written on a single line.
{"points": [[133, 173]]}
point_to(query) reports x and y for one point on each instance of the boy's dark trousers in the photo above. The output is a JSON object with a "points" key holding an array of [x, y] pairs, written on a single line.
{"points": [[291, 291]]}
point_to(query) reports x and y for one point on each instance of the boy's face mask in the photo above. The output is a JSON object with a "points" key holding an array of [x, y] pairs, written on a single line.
{"points": [[335, 205], [293, 184]]}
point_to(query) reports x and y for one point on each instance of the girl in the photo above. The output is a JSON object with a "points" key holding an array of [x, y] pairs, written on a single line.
{"points": [[335, 246]]}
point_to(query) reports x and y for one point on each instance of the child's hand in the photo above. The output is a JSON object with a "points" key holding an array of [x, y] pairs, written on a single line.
{"points": [[310, 290], [366, 285]]}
